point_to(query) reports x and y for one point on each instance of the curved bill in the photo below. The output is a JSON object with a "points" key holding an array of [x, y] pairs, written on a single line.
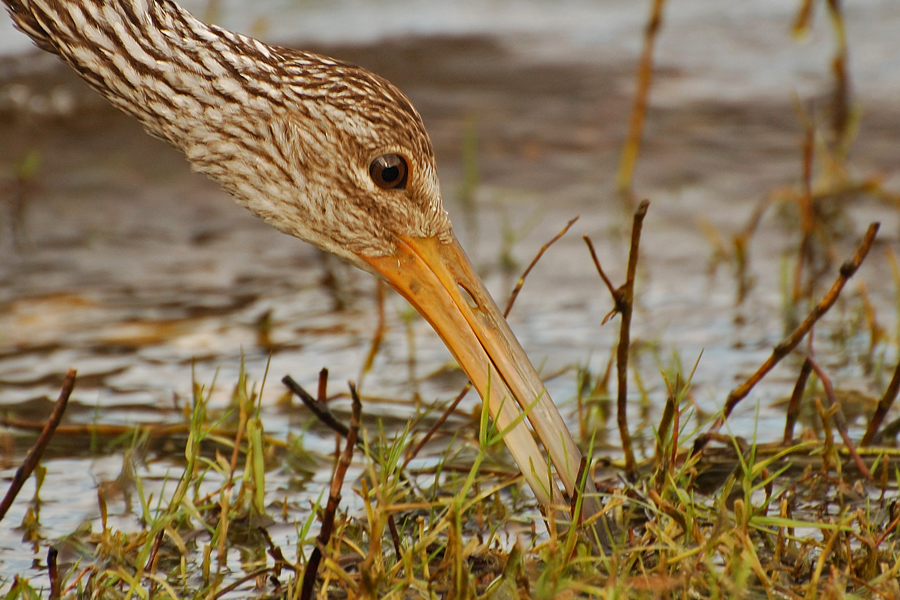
{"points": [[440, 282]]}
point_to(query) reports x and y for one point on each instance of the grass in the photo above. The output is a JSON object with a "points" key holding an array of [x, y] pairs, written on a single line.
{"points": [[737, 520]]}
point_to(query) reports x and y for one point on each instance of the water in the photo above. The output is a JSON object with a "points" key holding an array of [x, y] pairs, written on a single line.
{"points": [[120, 262]]}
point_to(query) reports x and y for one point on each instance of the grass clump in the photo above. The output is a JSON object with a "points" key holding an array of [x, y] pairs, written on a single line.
{"points": [[736, 520]]}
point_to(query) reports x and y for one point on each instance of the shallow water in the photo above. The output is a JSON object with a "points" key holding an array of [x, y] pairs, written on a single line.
{"points": [[116, 260]]}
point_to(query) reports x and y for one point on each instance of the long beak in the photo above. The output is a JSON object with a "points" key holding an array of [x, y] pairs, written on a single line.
{"points": [[440, 282]]}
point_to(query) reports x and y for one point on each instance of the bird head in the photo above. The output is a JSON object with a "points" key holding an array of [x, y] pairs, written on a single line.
{"points": [[345, 164], [342, 159]]}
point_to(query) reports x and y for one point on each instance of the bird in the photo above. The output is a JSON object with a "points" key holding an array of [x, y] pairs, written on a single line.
{"points": [[329, 153]]}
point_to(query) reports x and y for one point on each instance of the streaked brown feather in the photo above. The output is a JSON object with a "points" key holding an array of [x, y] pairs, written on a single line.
{"points": [[288, 133]]}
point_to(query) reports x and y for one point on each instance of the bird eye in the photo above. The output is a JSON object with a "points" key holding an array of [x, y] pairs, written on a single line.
{"points": [[389, 172]]}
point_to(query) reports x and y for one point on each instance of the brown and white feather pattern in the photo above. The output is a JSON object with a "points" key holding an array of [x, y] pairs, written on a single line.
{"points": [[289, 134]]}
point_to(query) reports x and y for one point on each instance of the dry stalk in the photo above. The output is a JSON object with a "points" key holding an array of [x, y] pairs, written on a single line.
{"points": [[847, 270], [804, 16], [334, 499], [793, 409], [534, 261], [889, 530], [437, 425], [838, 416], [841, 102], [395, 534], [322, 389], [884, 405], [317, 406], [623, 298], [807, 209], [639, 108], [34, 455], [240, 581], [53, 573], [277, 555], [153, 558]]}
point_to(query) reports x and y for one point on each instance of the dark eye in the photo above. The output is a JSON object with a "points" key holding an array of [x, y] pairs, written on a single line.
{"points": [[389, 172]]}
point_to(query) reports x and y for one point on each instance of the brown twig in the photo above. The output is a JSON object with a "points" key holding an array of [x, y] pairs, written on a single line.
{"points": [[34, 455], [239, 582], [334, 499], [806, 208], [793, 409], [890, 431], [888, 530], [395, 535], [829, 453], [152, 559], [534, 261], [622, 350], [841, 101], [884, 405], [318, 407], [639, 107], [609, 284], [277, 555], [322, 391], [839, 422], [437, 425], [53, 573], [804, 16], [623, 297], [847, 270]]}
